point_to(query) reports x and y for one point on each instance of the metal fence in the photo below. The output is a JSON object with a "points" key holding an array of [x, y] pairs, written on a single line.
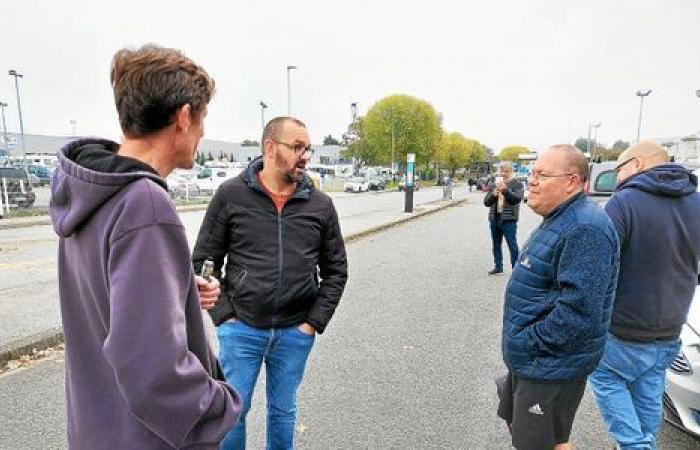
{"points": [[14, 193]]}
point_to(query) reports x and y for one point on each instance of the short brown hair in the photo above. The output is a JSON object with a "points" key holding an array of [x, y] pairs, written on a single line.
{"points": [[575, 158], [273, 129], [151, 83]]}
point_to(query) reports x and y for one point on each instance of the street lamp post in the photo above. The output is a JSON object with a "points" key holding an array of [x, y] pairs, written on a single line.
{"points": [[73, 122], [393, 139], [263, 106], [3, 105], [289, 90], [595, 136], [14, 73], [641, 94]]}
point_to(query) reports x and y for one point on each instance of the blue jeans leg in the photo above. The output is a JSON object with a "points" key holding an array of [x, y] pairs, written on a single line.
{"points": [[628, 385], [647, 391], [241, 353], [285, 362], [497, 241], [510, 230]]}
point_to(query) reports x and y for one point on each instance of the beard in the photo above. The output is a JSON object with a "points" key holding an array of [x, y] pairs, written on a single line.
{"points": [[290, 176]]}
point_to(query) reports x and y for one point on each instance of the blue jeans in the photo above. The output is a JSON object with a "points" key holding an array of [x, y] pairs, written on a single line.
{"points": [[628, 385], [285, 350], [499, 230]]}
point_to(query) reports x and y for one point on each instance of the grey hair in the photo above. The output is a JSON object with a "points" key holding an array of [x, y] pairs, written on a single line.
{"points": [[506, 165]]}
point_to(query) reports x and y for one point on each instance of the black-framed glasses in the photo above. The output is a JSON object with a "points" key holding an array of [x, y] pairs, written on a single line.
{"points": [[299, 149], [622, 164], [536, 175]]}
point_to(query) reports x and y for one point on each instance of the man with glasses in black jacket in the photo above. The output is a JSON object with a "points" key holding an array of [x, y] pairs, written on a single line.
{"points": [[285, 271]]}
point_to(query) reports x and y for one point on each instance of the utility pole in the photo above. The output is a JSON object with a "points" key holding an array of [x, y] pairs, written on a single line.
{"points": [[3, 105], [263, 106], [641, 94], [14, 73], [289, 90]]}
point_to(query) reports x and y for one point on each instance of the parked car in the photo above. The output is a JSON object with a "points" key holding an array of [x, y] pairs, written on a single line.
{"points": [[402, 185], [19, 190], [376, 183], [209, 180], [43, 173], [356, 184], [182, 184], [682, 396], [602, 179]]}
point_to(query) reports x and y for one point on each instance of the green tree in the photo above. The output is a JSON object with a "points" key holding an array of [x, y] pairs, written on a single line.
{"points": [[511, 153], [585, 144], [456, 151], [620, 145], [416, 125], [330, 140], [359, 149]]}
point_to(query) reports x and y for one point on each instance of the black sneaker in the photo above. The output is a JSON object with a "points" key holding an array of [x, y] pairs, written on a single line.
{"points": [[495, 271]]}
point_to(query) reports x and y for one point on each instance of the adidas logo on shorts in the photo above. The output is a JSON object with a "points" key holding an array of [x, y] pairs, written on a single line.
{"points": [[535, 409]]}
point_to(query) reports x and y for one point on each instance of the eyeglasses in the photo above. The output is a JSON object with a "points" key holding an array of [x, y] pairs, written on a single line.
{"points": [[622, 164], [536, 175], [299, 149]]}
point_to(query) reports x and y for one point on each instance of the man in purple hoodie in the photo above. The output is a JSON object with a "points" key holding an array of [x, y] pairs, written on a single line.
{"points": [[139, 372]]}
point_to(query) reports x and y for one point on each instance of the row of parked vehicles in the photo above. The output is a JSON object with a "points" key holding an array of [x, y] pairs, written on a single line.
{"points": [[201, 181], [16, 183], [374, 183]]}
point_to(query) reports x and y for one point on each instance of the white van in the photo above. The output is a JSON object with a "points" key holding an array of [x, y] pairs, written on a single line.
{"points": [[211, 178]]}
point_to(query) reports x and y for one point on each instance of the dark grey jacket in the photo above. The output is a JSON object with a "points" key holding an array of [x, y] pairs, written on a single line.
{"points": [[513, 196]]}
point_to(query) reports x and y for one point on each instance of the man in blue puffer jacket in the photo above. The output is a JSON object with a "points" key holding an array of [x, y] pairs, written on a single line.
{"points": [[558, 304], [656, 211]]}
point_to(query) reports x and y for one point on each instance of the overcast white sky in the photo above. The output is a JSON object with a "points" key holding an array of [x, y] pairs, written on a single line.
{"points": [[505, 72]]}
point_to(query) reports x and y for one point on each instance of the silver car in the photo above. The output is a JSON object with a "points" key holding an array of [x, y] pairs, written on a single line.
{"points": [[682, 396]]}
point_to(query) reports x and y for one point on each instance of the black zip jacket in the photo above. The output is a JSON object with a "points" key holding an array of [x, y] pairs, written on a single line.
{"points": [[273, 260], [513, 195]]}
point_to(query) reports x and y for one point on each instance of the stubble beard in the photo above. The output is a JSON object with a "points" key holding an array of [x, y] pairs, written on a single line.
{"points": [[289, 177]]}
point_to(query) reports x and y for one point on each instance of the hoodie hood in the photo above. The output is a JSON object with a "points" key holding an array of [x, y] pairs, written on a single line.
{"points": [[90, 172], [669, 180]]}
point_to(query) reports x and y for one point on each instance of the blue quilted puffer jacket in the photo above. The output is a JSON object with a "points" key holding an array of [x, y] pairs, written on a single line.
{"points": [[559, 298]]}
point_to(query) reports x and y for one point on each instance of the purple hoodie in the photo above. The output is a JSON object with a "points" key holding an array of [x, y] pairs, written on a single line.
{"points": [[138, 366]]}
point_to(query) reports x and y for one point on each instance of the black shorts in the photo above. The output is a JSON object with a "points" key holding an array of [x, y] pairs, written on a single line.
{"points": [[540, 413]]}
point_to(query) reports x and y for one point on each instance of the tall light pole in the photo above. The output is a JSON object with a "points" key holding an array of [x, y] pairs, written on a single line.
{"points": [[14, 73], [641, 94], [73, 122], [263, 106], [595, 136], [289, 90], [3, 105], [353, 111]]}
